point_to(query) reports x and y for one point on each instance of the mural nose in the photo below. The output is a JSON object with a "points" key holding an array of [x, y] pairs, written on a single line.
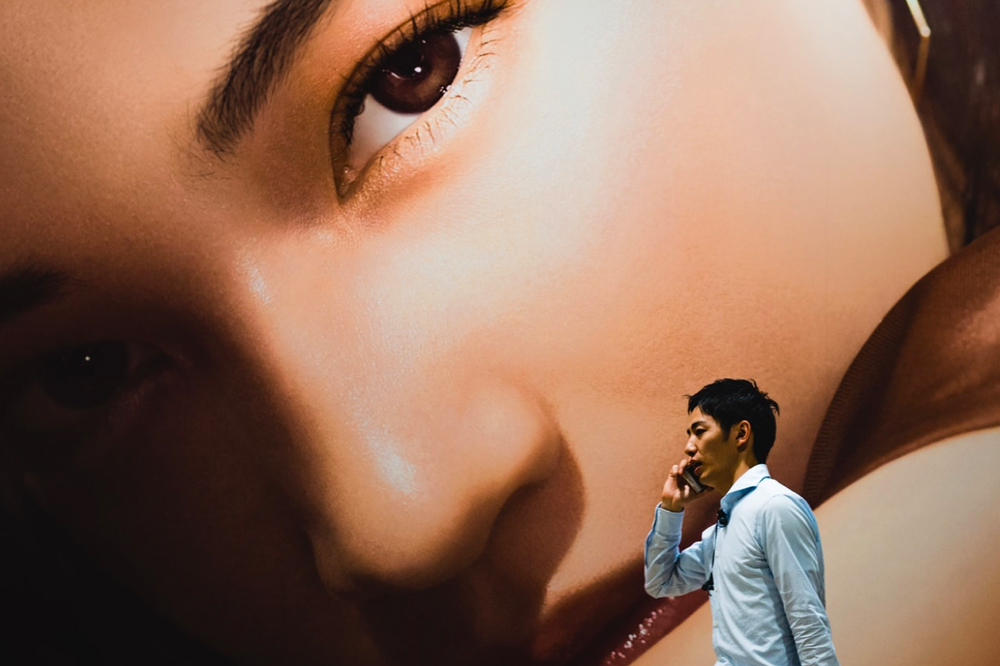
{"points": [[411, 418], [416, 487]]}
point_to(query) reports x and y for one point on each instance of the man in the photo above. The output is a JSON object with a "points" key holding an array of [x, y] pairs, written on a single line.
{"points": [[762, 562]]}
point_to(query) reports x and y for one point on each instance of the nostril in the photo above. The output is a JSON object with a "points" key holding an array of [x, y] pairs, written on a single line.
{"points": [[416, 501]]}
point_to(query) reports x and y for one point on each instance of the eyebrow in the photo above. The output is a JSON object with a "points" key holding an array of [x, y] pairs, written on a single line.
{"points": [[263, 56], [25, 289]]}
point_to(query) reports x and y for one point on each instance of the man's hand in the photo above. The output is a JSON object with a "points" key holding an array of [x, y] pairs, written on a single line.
{"points": [[676, 491]]}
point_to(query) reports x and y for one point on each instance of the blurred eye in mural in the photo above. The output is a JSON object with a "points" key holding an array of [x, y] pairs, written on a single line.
{"points": [[84, 377], [70, 399]]}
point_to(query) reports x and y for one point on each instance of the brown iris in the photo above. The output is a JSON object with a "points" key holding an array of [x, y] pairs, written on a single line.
{"points": [[416, 76]]}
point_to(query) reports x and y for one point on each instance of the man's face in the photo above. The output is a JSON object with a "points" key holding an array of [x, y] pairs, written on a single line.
{"points": [[713, 450], [400, 398]]}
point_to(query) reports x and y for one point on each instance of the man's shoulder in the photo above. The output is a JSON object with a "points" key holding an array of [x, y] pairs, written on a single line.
{"points": [[774, 496], [769, 487], [772, 486], [780, 509]]}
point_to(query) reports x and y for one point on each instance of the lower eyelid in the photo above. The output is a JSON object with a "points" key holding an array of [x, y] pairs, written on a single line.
{"points": [[367, 144]]}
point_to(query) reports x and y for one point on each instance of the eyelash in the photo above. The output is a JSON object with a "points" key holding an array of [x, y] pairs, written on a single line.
{"points": [[449, 16]]}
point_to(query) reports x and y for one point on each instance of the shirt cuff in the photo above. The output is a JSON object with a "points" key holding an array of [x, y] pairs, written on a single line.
{"points": [[667, 523]]}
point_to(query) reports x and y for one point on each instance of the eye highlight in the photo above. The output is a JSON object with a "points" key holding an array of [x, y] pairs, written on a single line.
{"points": [[404, 77]]}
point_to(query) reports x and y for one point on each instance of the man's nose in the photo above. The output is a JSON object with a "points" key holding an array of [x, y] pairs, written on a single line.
{"points": [[689, 448]]}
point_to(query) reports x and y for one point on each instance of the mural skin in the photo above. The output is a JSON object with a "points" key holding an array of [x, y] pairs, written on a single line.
{"points": [[318, 381]]}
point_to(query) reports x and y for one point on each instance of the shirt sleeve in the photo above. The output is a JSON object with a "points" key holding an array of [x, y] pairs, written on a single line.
{"points": [[790, 537], [669, 572]]}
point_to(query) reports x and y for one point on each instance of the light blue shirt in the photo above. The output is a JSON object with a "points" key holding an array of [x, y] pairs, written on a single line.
{"points": [[768, 601]]}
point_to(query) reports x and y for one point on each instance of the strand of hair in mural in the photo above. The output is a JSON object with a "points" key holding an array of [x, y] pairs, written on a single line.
{"points": [[949, 52]]}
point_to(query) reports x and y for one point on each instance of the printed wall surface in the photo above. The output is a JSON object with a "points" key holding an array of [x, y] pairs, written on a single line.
{"points": [[360, 332]]}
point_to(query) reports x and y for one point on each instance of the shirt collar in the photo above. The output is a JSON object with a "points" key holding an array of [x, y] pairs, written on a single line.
{"points": [[747, 482]]}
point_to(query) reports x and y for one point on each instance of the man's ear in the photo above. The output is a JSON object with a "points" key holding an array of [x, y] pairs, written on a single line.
{"points": [[742, 432], [881, 16]]}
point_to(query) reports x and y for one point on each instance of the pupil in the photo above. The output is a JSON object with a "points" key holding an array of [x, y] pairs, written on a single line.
{"points": [[406, 64], [418, 73], [86, 376]]}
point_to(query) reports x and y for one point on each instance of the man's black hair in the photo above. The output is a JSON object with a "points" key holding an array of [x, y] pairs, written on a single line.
{"points": [[730, 401]]}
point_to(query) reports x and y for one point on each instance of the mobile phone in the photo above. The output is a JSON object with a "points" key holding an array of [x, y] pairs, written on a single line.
{"points": [[692, 480]]}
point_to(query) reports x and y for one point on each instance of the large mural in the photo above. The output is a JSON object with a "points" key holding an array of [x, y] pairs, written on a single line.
{"points": [[359, 332]]}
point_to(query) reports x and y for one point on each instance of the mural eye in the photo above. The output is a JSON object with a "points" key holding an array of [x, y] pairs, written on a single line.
{"points": [[418, 74], [84, 377], [409, 82], [68, 392]]}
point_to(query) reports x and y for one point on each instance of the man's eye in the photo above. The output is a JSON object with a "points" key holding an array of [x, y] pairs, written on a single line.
{"points": [[410, 81]]}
